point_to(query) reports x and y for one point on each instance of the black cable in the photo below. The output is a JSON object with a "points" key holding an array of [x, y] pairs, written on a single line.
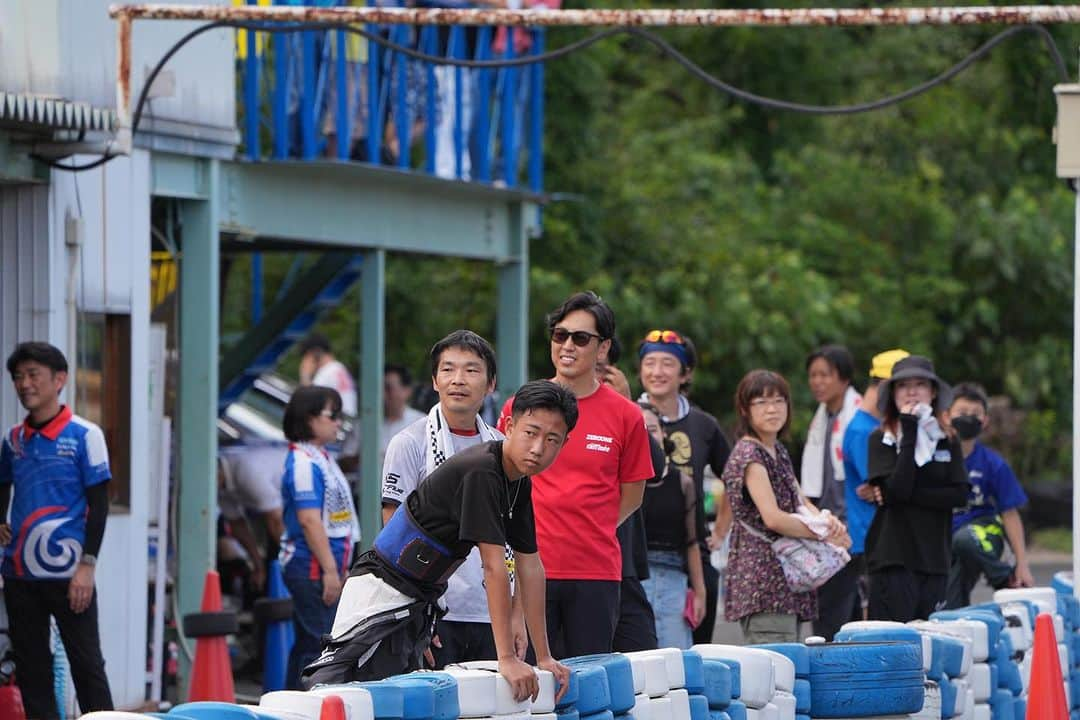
{"points": [[556, 54]]}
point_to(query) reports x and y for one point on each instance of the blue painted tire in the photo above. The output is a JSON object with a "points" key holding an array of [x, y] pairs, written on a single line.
{"points": [[802, 695], [387, 699], [417, 698], [1009, 677], [718, 715], [1074, 691], [937, 659], [602, 715], [994, 623], [800, 716], [995, 673], [571, 696], [593, 693], [795, 652], [859, 657], [568, 714], [736, 678], [1074, 641], [952, 655], [1005, 647], [736, 710], [620, 678], [692, 670], [893, 634], [213, 709], [948, 698], [699, 707], [717, 676], [1001, 705], [1069, 607], [866, 694], [1062, 582], [445, 689], [1019, 708]]}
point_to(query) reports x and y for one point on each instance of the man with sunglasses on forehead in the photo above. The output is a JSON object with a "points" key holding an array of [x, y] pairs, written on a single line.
{"points": [[596, 482], [666, 362]]}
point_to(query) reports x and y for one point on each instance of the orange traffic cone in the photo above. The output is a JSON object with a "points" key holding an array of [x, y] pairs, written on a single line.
{"points": [[333, 708], [211, 672], [1046, 692]]}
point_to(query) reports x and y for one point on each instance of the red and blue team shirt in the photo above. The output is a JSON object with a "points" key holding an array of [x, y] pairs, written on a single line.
{"points": [[313, 481], [49, 470]]}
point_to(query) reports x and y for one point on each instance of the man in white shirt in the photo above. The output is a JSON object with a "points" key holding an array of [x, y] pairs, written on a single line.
{"points": [[463, 374], [318, 366]]}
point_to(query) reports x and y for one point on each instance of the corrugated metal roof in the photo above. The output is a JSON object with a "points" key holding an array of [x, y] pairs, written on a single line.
{"points": [[55, 112]]}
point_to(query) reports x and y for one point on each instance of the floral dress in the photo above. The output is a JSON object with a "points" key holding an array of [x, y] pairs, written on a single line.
{"points": [[755, 580]]}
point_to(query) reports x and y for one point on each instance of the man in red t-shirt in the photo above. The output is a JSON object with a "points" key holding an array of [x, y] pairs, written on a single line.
{"points": [[596, 482]]}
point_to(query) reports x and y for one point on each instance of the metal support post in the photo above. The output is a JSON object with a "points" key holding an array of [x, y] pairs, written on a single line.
{"points": [[372, 358], [197, 440], [511, 325]]}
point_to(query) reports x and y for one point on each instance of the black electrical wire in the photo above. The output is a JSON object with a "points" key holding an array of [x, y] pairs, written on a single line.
{"points": [[648, 36]]}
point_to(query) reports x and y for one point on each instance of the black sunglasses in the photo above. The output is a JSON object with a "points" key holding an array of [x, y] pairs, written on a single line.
{"points": [[581, 338]]}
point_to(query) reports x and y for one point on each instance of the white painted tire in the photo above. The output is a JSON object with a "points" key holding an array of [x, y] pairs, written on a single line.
{"points": [[979, 677], [964, 695], [1044, 596], [545, 701], [757, 680], [660, 709], [357, 700], [1025, 670], [1018, 622], [637, 668], [1063, 659], [476, 691], [785, 704], [673, 660], [1059, 629], [295, 701], [969, 706], [783, 671], [542, 716], [656, 675], [976, 632], [680, 704], [956, 633], [769, 712], [642, 709], [260, 712], [931, 709], [982, 712]]}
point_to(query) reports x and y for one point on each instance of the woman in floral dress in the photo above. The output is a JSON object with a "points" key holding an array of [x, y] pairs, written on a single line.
{"points": [[761, 484]]}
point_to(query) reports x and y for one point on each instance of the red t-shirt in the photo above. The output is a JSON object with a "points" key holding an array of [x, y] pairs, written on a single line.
{"points": [[576, 500]]}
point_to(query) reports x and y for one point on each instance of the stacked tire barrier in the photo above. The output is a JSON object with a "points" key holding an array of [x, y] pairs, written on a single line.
{"points": [[1068, 605]]}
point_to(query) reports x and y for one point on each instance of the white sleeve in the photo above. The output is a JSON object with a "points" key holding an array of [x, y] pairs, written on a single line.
{"points": [[403, 468]]}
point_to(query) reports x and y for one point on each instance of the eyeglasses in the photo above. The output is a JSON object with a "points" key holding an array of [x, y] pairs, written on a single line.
{"points": [[664, 336], [763, 402], [332, 414], [581, 338]]}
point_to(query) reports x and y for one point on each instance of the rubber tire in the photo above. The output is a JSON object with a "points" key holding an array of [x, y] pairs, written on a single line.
{"points": [[284, 701], [445, 689], [1009, 677], [674, 660], [693, 676], [737, 710], [620, 677], [1074, 690], [642, 708], [476, 691], [785, 704], [1001, 704], [270, 610], [680, 704], [602, 715], [417, 700], [783, 672], [948, 698], [858, 632], [210, 624], [856, 658], [866, 694], [699, 707], [655, 674], [571, 697], [387, 700], [593, 694], [973, 631], [660, 708], [963, 696], [637, 667], [980, 680], [718, 715], [736, 676], [994, 624], [1019, 708], [717, 683], [357, 700], [757, 681], [795, 652], [802, 695], [951, 650], [567, 713]]}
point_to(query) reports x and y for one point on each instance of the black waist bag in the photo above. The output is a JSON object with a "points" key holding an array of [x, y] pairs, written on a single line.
{"points": [[390, 643]]}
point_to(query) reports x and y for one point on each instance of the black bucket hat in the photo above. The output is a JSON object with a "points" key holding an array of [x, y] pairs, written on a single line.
{"points": [[914, 366]]}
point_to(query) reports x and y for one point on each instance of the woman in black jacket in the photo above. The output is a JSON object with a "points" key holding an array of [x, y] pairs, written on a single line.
{"points": [[919, 476]]}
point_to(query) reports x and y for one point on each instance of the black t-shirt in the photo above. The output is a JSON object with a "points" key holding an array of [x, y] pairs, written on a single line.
{"points": [[913, 529], [698, 442], [631, 534], [469, 500]]}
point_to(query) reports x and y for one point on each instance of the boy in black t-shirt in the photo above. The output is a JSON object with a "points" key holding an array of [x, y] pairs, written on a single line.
{"points": [[479, 497]]}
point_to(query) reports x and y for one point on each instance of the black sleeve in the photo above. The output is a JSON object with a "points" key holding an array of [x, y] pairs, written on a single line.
{"points": [[899, 482], [719, 450], [521, 529], [954, 493], [5, 501], [97, 509]]}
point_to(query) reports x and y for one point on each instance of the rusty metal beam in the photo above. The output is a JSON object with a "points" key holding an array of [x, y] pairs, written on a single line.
{"points": [[743, 17]]}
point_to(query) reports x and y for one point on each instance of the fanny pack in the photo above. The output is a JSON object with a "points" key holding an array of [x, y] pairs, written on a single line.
{"points": [[405, 546], [807, 564]]}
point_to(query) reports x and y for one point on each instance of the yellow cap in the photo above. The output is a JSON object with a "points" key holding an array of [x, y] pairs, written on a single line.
{"points": [[882, 364]]}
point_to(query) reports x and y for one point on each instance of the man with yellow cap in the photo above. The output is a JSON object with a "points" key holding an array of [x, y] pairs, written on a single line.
{"points": [[859, 496]]}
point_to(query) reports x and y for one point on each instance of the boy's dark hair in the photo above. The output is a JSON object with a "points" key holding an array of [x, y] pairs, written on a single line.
{"points": [[307, 402], [39, 352], [614, 351], [400, 370], [591, 303], [315, 341], [755, 384], [836, 355], [546, 395], [972, 391], [468, 341]]}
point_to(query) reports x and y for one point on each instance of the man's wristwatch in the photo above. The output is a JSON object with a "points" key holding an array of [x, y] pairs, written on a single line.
{"points": [[88, 559]]}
